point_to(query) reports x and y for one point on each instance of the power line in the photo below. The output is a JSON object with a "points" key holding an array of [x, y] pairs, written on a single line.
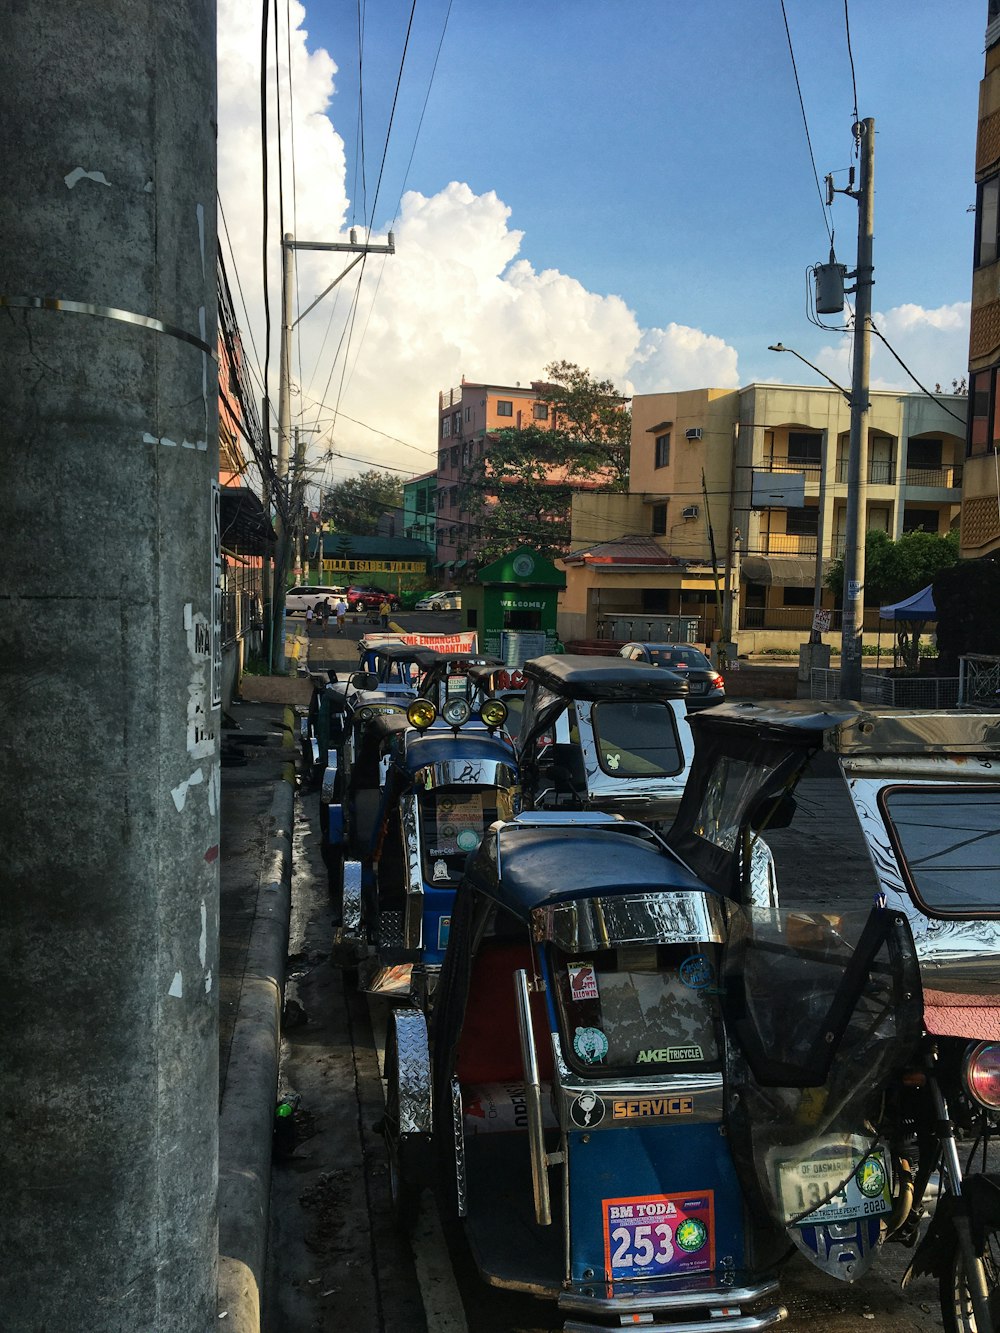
{"points": [[933, 397], [264, 176], [850, 56], [805, 123]]}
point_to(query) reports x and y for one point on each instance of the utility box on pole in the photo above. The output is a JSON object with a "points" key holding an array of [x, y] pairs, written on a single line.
{"points": [[109, 642]]}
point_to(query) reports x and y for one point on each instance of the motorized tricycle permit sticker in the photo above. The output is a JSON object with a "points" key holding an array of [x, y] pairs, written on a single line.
{"points": [[659, 1235]]}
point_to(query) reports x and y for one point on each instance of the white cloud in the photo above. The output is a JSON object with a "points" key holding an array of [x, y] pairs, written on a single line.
{"points": [[933, 343], [456, 298]]}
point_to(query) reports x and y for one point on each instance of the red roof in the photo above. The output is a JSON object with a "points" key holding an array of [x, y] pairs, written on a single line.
{"points": [[642, 551]]}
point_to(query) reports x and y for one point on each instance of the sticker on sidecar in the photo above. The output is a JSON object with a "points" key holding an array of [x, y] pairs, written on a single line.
{"points": [[583, 981], [659, 1235]]}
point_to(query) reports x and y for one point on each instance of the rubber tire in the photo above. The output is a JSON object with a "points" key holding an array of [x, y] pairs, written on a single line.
{"points": [[956, 1308], [404, 1194]]}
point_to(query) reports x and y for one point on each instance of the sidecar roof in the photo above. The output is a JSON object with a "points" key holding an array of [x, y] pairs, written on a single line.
{"points": [[582, 677]]}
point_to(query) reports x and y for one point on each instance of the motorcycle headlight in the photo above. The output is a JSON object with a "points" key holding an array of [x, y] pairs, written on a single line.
{"points": [[365, 713], [456, 712], [981, 1074], [421, 713], [494, 712]]}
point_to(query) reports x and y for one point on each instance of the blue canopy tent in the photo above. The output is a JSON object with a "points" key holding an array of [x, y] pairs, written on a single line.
{"points": [[908, 615], [918, 606]]}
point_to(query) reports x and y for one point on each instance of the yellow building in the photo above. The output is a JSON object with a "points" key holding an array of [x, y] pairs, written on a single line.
{"points": [[981, 483], [746, 470]]}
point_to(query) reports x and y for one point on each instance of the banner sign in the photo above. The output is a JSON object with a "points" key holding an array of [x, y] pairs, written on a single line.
{"points": [[342, 565], [465, 642]]}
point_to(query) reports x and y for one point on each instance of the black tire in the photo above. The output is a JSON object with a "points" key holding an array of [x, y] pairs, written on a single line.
{"points": [[404, 1192], [956, 1304]]}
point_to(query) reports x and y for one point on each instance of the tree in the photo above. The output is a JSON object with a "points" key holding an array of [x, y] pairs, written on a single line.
{"points": [[894, 570], [520, 492], [357, 503], [967, 597]]}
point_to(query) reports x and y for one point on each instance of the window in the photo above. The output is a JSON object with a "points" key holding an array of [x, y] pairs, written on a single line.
{"points": [[540, 411], [802, 522], [454, 456], [949, 840], [442, 460], [805, 449], [421, 502], [452, 496], [924, 454], [636, 739], [505, 407], [659, 520], [445, 427], [920, 520], [987, 217], [441, 498], [662, 451], [452, 535], [468, 414], [797, 596], [456, 423]]}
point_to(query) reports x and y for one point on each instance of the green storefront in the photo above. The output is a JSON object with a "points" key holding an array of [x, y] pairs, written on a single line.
{"points": [[513, 606]]}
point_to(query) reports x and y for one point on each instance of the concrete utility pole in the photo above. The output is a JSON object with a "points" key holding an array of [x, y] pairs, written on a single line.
{"points": [[857, 469], [110, 657], [288, 245]]}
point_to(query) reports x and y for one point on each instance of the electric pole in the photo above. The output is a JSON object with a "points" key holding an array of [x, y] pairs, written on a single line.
{"points": [[857, 469], [284, 498], [110, 644]]}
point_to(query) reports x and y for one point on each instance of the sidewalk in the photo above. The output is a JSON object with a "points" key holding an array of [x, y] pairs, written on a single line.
{"points": [[257, 810]]}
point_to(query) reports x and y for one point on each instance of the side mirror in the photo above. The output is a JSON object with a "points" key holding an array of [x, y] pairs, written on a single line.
{"points": [[364, 680]]}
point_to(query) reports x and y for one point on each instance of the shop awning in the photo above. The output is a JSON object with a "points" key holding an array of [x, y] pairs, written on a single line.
{"points": [[245, 526], [782, 571]]}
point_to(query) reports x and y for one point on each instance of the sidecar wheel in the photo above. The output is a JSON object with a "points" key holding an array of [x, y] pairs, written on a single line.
{"points": [[956, 1304]]}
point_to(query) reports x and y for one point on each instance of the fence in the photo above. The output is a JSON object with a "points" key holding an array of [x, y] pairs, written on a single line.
{"points": [[979, 677], [898, 691], [649, 628]]}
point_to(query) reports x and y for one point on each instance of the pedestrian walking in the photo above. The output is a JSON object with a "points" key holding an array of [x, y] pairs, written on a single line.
{"points": [[385, 610], [340, 611], [309, 621], [322, 615]]}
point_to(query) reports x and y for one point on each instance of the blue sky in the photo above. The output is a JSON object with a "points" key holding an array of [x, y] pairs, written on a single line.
{"points": [[647, 150]]}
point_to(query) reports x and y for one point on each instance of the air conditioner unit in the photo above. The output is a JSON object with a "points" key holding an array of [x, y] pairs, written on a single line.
{"points": [[693, 433], [690, 512]]}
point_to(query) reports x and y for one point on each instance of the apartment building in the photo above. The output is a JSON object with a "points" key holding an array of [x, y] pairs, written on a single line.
{"points": [[760, 474], [467, 415], [980, 532], [420, 508]]}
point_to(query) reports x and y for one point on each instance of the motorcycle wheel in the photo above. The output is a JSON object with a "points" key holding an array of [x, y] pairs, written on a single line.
{"points": [[956, 1304]]}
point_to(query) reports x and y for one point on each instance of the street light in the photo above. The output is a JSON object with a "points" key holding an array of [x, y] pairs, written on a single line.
{"points": [[779, 347]]}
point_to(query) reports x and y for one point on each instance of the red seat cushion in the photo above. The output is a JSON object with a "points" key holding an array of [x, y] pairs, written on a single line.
{"points": [[489, 1050]]}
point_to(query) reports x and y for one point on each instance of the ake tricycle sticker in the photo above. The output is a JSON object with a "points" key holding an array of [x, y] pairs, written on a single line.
{"points": [[659, 1235]]}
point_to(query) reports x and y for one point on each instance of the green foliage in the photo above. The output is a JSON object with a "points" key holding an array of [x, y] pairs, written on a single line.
{"points": [[508, 491], [894, 570], [356, 504], [967, 598]]}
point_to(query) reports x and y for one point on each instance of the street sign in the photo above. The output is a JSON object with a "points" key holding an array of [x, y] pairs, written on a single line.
{"points": [[821, 621]]}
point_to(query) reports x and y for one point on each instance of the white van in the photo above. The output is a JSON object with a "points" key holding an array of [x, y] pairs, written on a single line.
{"points": [[304, 595]]}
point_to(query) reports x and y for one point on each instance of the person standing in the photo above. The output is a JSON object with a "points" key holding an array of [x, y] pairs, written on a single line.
{"points": [[385, 610], [340, 611], [310, 613], [322, 614]]}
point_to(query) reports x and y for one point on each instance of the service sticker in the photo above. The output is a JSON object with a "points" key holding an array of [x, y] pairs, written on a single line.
{"points": [[697, 971], [659, 1235], [590, 1044], [582, 981]]}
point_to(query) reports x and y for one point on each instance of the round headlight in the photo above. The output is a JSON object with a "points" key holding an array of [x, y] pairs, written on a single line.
{"points": [[494, 712], [981, 1071], [421, 713], [365, 713], [456, 712]]}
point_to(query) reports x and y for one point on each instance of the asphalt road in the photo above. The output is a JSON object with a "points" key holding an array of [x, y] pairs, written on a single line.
{"points": [[338, 1264]]}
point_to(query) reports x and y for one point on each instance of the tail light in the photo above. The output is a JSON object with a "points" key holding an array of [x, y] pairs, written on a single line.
{"points": [[716, 682], [981, 1072]]}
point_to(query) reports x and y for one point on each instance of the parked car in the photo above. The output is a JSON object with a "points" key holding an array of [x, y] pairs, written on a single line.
{"points": [[366, 597], [449, 599], [305, 595], [706, 686]]}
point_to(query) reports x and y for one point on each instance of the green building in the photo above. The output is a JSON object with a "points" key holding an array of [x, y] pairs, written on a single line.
{"points": [[513, 606]]}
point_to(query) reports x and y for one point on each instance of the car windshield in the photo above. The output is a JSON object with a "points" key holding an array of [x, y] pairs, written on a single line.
{"points": [[637, 738], [680, 659], [949, 841], [637, 1009]]}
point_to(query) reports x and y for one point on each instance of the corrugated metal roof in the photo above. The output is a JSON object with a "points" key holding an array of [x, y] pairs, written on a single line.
{"points": [[642, 551]]}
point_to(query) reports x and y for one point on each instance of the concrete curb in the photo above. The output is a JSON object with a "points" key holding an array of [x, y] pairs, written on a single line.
{"points": [[246, 1118]]}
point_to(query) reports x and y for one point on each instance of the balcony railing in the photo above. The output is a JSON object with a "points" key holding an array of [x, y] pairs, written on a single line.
{"points": [[783, 543], [811, 465], [798, 618], [937, 478], [879, 474]]}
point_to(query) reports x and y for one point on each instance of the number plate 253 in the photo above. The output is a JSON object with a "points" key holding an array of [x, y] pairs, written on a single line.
{"points": [[657, 1235]]}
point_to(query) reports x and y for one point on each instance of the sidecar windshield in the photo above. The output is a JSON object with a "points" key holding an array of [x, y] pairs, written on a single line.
{"points": [[640, 1009], [948, 839], [637, 738]]}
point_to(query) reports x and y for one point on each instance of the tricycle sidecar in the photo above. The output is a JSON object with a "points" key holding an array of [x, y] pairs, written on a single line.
{"points": [[604, 734]]}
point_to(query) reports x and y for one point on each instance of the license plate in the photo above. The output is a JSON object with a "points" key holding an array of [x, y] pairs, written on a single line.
{"points": [[808, 1184], [697, 687]]}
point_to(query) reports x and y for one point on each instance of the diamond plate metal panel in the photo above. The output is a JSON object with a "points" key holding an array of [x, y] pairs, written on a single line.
{"points": [[412, 1071], [352, 897]]}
